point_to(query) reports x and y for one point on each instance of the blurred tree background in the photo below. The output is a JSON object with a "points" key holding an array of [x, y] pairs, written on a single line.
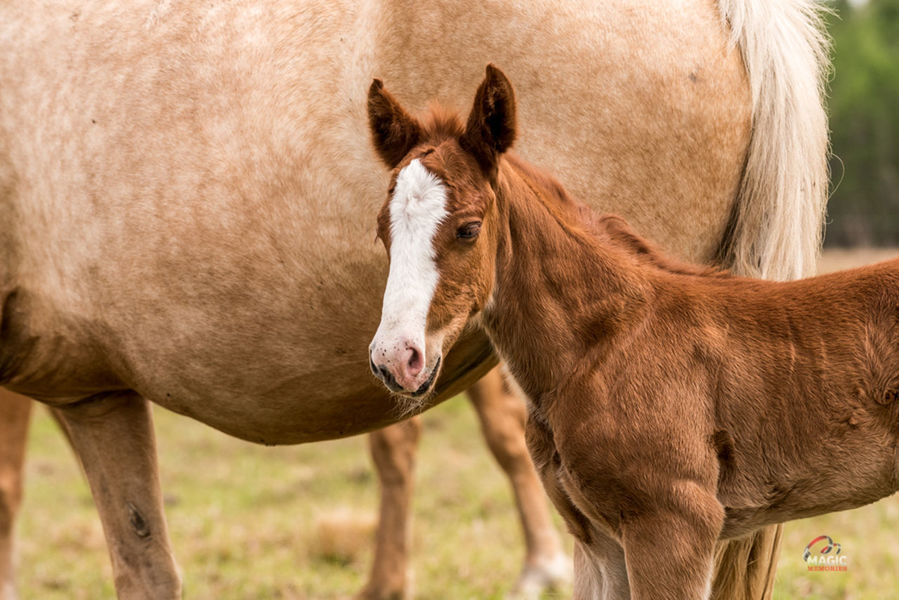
{"points": [[864, 122]]}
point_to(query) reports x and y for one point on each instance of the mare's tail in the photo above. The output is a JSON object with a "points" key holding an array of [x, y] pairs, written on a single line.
{"points": [[777, 222]]}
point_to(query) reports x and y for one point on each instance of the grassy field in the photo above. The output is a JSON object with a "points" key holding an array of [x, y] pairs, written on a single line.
{"points": [[249, 522]]}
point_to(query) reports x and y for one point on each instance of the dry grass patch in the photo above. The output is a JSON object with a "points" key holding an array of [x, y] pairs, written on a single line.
{"points": [[343, 535]]}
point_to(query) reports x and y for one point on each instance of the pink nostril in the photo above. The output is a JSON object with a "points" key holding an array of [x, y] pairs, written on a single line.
{"points": [[413, 361]]}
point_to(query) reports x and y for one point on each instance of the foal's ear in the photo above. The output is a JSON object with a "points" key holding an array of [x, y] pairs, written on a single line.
{"points": [[393, 130], [490, 130]]}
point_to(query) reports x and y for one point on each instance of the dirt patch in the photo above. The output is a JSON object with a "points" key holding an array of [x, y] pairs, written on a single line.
{"points": [[837, 259]]}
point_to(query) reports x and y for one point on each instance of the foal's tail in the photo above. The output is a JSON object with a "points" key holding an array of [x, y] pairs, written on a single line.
{"points": [[776, 226]]}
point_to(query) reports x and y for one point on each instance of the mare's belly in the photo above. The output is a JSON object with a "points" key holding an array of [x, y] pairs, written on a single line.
{"points": [[215, 250]]}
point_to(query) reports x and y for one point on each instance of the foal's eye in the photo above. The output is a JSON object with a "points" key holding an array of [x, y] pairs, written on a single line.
{"points": [[469, 231]]}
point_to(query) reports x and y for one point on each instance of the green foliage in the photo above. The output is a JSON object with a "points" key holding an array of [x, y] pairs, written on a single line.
{"points": [[864, 119]]}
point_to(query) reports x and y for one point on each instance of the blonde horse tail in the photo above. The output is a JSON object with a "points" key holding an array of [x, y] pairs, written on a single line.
{"points": [[777, 223]]}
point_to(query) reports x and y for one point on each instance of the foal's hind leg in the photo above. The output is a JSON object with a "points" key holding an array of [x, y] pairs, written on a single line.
{"points": [[113, 437], [15, 412], [503, 415], [393, 452]]}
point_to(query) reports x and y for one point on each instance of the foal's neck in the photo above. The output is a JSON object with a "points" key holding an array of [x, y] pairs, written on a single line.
{"points": [[560, 292]]}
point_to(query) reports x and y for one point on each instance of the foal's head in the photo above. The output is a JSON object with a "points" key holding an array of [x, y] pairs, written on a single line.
{"points": [[439, 227]]}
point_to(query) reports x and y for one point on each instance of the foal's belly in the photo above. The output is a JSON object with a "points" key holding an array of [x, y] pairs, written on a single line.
{"points": [[815, 500], [831, 478]]}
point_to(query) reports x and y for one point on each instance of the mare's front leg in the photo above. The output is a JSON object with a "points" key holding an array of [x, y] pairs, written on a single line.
{"points": [[112, 434], [15, 413], [670, 546], [393, 452]]}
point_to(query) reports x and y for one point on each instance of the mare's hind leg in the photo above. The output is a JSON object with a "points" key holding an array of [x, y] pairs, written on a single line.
{"points": [[113, 437], [15, 413], [503, 415], [393, 452]]}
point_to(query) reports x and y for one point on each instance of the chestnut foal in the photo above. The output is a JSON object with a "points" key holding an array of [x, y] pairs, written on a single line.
{"points": [[670, 406]]}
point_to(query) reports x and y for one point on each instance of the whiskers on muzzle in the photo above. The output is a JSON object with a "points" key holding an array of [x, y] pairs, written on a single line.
{"points": [[408, 403]]}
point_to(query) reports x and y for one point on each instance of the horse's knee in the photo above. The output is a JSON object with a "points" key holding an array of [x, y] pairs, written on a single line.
{"points": [[393, 451]]}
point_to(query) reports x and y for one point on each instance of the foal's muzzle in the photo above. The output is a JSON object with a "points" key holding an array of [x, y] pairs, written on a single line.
{"points": [[387, 378]]}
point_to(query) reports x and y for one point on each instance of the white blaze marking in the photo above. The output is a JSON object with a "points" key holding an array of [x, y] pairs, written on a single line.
{"points": [[416, 210]]}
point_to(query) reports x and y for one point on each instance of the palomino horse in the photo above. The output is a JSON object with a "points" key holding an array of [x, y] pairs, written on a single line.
{"points": [[666, 402], [185, 190]]}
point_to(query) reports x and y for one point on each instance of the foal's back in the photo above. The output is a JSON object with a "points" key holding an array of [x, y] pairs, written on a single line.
{"points": [[834, 322]]}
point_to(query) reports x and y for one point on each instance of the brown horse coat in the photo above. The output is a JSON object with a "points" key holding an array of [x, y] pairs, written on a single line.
{"points": [[668, 402], [692, 407]]}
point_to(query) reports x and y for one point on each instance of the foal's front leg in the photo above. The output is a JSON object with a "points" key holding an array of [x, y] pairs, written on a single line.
{"points": [[670, 548], [113, 437]]}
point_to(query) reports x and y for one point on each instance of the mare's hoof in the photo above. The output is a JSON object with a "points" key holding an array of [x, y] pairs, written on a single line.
{"points": [[546, 576]]}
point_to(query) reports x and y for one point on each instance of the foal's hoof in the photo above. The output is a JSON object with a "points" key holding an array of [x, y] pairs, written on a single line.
{"points": [[546, 576]]}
